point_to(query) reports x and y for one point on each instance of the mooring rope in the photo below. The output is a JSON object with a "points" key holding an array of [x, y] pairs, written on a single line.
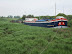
{"points": [[44, 49]]}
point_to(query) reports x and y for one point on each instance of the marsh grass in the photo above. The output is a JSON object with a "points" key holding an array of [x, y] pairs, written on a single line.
{"points": [[16, 38]]}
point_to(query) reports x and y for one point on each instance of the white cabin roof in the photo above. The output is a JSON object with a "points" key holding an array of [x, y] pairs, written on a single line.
{"points": [[58, 17]]}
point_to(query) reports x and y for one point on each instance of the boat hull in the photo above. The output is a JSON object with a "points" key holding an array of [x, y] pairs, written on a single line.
{"points": [[48, 24]]}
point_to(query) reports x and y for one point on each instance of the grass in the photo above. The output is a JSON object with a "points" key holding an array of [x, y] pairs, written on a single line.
{"points": [[16, 38]]}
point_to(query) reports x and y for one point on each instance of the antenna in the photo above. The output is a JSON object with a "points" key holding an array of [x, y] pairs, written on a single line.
{"points": [[55, 10], [63, 9]]}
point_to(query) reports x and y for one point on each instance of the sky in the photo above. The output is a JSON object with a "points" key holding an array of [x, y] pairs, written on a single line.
{"points": [[35, 7]]}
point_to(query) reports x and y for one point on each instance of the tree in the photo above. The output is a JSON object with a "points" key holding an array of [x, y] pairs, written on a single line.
{"points": [[69, 17], [23, 17], [16, 16], [10, 16], [61, 14], [30, 16]]}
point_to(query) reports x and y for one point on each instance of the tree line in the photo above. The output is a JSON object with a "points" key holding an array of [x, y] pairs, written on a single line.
{"points": [[10, 16], [69, 17]]}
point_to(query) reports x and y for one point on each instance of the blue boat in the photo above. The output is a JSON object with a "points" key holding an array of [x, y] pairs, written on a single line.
{"points": [[59, 22]]}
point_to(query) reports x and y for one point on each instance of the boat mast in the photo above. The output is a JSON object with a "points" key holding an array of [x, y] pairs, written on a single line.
{"points": [[63, 9], [55, 10]]}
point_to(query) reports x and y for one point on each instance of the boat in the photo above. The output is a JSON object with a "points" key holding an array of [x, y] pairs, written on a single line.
{"points": [[58, 22]]}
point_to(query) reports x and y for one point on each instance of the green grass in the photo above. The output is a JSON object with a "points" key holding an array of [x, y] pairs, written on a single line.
{"points": [[16, 38]]}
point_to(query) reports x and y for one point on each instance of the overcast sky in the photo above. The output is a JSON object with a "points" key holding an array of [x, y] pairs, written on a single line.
{"points": [[35, 7]]}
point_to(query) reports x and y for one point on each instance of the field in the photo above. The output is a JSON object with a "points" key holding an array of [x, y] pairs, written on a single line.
{"points": [[16, 38]]}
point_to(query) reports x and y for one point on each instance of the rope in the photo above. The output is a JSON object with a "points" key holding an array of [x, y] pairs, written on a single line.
{"points": [[44, 49]]}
